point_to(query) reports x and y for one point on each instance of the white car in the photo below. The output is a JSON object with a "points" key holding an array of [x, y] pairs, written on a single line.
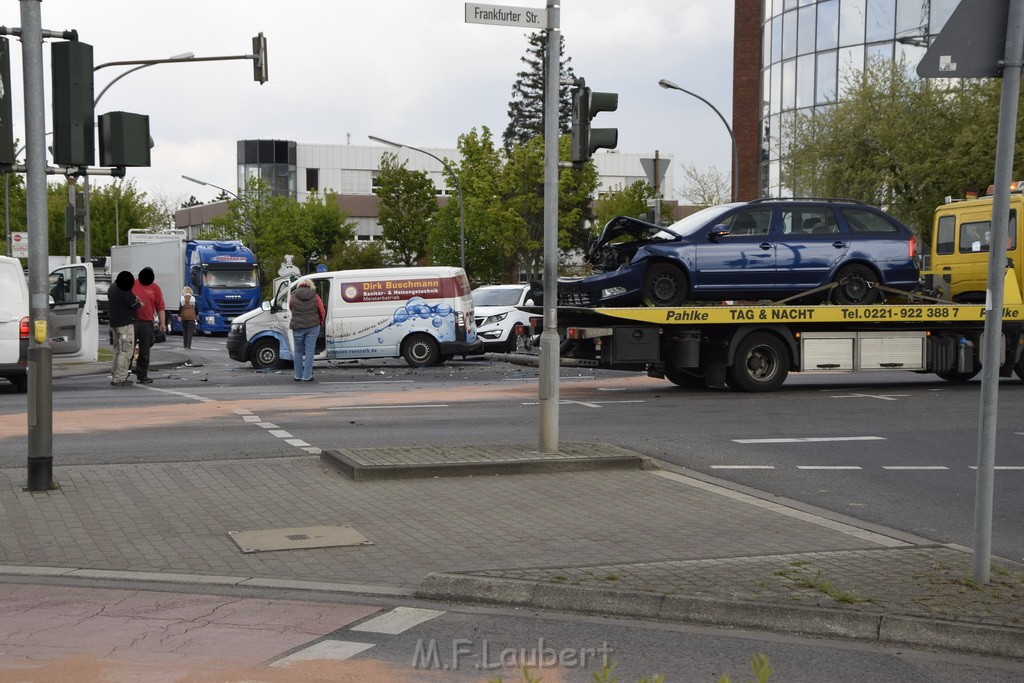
{"points": [[494, 307]]}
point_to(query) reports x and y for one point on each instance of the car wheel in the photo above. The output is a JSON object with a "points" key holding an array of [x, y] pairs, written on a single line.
{"points": [[761, 363], [420, 351], [665, 285], [265, 354], [855, 286]]}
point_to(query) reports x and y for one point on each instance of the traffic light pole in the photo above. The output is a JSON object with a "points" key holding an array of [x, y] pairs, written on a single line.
{"points": [[549, 342]]}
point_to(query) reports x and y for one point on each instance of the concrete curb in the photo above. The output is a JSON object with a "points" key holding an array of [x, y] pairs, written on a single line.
{"points": [[877, 627], [362, 472]]}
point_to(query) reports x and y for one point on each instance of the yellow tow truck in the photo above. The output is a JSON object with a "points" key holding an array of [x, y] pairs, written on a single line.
{"points": [[754, 347]]}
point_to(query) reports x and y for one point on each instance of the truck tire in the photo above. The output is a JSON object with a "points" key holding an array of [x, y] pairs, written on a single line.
{"points": [[961, 377], [420, 351], [685, 378], [761, 363], [856, 286], [265, 354], [665, 285]]}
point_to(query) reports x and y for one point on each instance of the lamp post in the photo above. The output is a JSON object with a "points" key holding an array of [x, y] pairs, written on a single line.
{"points": [[669, 85], [458, 188], [245, 207]]}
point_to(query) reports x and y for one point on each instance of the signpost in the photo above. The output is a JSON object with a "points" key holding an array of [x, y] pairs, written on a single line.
{"points": [[504, 15], [549, 343], [19, 244]]}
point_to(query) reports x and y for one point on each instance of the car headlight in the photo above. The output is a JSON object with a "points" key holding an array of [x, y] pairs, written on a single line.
{"points": [[495, 318], [612, 291]]}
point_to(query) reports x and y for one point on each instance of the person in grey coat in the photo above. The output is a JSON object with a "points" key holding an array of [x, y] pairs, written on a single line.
{"points": [[123, 304], [308, 314]]}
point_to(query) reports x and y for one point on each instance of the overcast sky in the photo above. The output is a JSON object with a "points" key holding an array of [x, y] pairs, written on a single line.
{"points": [[407, 70]]}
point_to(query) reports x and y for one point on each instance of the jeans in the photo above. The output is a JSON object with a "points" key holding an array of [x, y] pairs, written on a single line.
{"points": [[144, 336], [305, 347]]}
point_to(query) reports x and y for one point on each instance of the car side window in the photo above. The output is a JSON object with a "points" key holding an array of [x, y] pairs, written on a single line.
{"points": [[749, 222], [863, 221], [809, 220], [945, 235]]}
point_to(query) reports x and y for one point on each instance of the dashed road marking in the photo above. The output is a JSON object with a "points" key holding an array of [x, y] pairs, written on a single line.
{"points": [[828, 467], [398, 620], [811, 439], [326, 649], [881, 397], [402, 407], [914, 467], [743, 467], [183, 394]]}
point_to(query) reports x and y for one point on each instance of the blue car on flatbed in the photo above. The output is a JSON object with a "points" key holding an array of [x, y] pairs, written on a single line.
{"points": [[767, 249]]}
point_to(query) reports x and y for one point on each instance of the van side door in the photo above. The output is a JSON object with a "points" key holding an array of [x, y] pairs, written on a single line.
{"points": [[73, 320]]}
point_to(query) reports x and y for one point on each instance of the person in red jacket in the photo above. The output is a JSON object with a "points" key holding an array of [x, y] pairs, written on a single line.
{"points": [[152, 299]]}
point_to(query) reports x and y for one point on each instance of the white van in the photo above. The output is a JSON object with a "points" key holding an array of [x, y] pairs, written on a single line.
{"points": [[424, 315], [73, 321]]}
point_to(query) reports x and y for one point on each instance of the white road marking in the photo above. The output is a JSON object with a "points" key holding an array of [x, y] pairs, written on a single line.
{"points": [[251, 418], [398, 620], [812, 439], [914, 467], [296, 442], [828, 467], [183, 394], [280, 433], [374, 381], [325, 649], [881, 397], [743, 467], [421, 405], [585, 404], [266, 425], [1002, 467]]}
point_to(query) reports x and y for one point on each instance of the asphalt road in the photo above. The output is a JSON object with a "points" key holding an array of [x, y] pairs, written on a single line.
{"points": [[895, 449]]}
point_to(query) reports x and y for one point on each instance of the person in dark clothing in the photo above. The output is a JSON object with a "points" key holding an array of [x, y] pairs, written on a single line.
{"points": [[123, 304]]}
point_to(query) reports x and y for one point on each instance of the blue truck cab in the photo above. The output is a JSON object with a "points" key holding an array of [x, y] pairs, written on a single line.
{"points": [[225, 279]]}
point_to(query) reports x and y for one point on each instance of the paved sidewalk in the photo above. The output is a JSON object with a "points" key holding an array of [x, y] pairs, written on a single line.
{"points": [[657, 543]]}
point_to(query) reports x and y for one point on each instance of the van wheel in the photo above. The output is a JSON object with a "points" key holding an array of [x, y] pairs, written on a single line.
{"points": [[265, 354], [420, 351], [21, 383], [761, 363]]}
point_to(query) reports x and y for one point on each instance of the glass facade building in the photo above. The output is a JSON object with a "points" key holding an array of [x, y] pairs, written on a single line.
{"points": [[271, 160], [810, 48]]}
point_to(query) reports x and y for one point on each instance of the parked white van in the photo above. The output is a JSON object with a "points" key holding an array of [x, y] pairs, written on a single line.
{"points": [[422, 314], [72, 325]]}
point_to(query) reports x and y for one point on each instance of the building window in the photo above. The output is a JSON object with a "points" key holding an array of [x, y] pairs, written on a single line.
{"points": [[881, 19], [312, 180], [851, 22], [828, 25]]}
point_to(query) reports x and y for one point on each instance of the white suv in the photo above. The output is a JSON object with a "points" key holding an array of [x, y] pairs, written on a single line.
{"points": [[494, 307]]}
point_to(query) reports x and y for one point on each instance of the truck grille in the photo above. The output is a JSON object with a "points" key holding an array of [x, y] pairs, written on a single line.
{"points": [[234, 307]]}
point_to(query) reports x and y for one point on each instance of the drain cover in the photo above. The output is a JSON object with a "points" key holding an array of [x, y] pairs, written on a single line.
{"points": [[263, 540]]}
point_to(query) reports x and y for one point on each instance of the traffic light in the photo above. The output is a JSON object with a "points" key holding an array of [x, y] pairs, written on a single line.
{"points": [[73, 135], [259, 63], [6, 128], [74, 217], [586, 104]]}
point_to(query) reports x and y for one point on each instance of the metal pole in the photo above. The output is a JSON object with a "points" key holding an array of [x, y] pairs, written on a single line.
{"points": [[985, 479], [549, 342], [40, 358], [735, 151]]}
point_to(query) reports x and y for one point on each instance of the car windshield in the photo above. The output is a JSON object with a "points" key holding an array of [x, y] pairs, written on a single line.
{"points": [[497, 297], [704, 217], [231, 279]]}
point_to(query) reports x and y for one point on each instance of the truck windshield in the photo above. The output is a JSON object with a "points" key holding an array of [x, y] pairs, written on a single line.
{"points": [[230, 279]]}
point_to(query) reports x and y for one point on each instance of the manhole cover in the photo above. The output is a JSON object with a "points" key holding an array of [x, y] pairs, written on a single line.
{"points": [[262, 540]]}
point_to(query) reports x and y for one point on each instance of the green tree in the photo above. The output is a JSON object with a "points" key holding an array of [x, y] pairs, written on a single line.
{"points": [[709, 187], [623, 201], [897, 142], [357, 254], [14, 208], [526, 110], [408, 202], [493, 229], [114, 209]]}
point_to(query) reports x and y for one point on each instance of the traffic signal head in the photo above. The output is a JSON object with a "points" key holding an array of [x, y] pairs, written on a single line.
{"points": [[586, 104], [73, 119], [259, 63]]}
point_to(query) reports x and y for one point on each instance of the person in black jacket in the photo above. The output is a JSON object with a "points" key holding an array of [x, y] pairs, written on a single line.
{"points": [[123, 304]]}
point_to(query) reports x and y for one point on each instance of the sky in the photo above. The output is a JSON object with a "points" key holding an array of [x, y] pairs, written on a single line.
{"points": [[412, 71]]}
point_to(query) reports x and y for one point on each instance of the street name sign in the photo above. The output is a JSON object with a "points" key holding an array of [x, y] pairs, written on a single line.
{"points": [[504, 15]]}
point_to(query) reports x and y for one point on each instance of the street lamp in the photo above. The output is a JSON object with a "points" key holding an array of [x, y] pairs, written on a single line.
{"points": [[245, 208], [458, 188], [669, 85]]}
